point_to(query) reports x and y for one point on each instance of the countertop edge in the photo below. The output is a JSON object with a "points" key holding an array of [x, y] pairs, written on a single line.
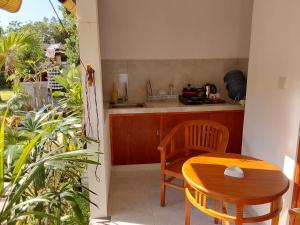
{"points": [[175, 109]]}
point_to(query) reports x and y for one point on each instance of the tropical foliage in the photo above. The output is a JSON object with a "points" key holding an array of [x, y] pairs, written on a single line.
{"points": [[40, 169], [20, 100], [47, 30], [22, 42], [71, 41], [71, 99], [12, 48], [42, 153]]}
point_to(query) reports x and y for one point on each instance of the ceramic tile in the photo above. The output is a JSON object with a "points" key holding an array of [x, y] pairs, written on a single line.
{"points": [[174, 202], [135, 200], [133, 220], [161, 73]]}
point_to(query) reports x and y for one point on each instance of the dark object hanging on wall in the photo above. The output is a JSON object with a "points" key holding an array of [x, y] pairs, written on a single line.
{"points": [[235, 82]]}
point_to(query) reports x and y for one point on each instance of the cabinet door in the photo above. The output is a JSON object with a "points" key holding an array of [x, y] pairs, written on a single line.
{"points": [[234, 121], [134, 138], [170, 120]]}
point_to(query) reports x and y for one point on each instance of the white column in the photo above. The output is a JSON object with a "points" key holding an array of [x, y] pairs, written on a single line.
{"points": [[272, 114], [89, 40]]}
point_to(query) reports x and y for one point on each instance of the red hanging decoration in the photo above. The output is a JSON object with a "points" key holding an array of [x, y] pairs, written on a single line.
{"points": [[90, 75]]}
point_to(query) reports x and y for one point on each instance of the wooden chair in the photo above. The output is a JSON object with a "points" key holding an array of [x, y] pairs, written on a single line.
{"points": [[294, 216], [199, 200], [186, 140]]}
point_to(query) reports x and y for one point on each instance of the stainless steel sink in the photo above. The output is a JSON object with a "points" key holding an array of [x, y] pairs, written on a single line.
{"points": [[128, 105]]}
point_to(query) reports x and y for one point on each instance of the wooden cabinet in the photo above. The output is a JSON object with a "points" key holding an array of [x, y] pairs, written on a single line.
{"points": [[234, 121], [170, 120], [135, 137]]}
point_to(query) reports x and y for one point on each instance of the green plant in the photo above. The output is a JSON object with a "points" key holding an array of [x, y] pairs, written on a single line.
{"points": [[1, 31], [11, 47], [40, 169], [20, 100], [4, 83], [5, 94], [71, 99], [30, 71], [72, 40]]}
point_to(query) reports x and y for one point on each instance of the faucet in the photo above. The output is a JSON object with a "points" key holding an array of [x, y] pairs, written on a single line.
{"points": [[126, 93], [149, 89]]}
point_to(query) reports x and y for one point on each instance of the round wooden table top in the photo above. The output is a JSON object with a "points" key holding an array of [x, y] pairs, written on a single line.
{"points": [[262, 182]]}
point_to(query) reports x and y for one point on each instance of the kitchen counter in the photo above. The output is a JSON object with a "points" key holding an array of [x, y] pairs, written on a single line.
{"points": [[172, 106], [136, 130]]}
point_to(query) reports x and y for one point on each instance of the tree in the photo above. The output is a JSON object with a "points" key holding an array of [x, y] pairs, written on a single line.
{"points": [[12, 46], [72, 41], [34, 49], [47, 29], [14, 26], [42, 32]]}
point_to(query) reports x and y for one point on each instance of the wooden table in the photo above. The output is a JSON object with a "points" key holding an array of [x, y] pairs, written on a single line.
{"points": [[262, 183]]}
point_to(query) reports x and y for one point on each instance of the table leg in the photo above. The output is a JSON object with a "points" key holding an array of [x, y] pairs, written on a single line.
{"points": [[239, 214], [187, 211], [276, 205], [162, 190]]}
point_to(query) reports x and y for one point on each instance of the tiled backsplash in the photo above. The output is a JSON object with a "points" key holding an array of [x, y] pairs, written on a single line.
{"points": [[161, 73]]}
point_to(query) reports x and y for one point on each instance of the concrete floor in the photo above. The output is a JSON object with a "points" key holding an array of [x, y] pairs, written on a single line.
{"points": [[135, 200]]}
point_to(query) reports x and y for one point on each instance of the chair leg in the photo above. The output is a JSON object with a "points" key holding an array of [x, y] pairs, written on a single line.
{"points": [[187, 211], [217, 208], [224, 222], [162, 191], [225, 210]]}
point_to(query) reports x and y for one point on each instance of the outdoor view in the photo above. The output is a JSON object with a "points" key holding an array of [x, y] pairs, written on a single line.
{"points": [[42, 140]]}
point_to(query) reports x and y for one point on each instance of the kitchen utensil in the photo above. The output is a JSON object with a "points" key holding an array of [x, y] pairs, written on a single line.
{"points": [[123, 86], [210, 89], [235, 82], [149, 88], [171, 89]]}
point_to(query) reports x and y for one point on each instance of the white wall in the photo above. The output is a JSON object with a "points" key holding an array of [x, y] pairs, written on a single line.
{"points": [[273, 112], [89, 41], [175, 29]]}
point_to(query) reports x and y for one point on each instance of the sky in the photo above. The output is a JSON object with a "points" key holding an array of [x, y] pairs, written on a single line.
{"points": [[31, 10]]}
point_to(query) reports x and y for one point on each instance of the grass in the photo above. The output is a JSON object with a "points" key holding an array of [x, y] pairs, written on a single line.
{"points": [[5, 94]]}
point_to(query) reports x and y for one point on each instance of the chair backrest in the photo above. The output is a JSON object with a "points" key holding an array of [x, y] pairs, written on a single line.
{"points": [[205, 135], [294, 216]]}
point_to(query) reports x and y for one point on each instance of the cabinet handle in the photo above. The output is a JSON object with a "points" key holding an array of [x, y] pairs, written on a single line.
{"points": [[157, 132]]}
